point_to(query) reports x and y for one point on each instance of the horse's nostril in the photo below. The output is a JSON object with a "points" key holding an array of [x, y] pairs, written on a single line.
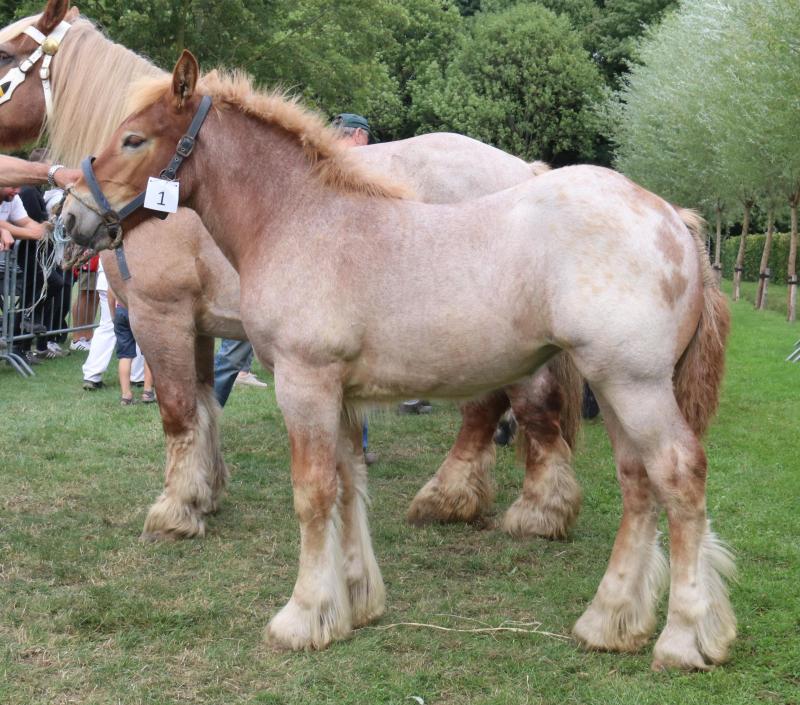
{"points": [[69, 222]]}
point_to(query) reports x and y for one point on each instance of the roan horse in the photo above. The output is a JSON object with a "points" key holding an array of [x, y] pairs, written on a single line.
{"points": [[188, 294], [392, 295]]}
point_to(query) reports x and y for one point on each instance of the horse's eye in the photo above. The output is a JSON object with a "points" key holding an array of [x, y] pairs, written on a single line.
{"points": [[4, 57], [133, 141]]}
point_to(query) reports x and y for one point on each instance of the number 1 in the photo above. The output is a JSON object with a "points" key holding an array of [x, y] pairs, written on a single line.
{"points": [[161, 202]]}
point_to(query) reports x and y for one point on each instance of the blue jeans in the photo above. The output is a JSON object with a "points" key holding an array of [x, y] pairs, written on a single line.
{"points": [[233, 356], [236, 355]]}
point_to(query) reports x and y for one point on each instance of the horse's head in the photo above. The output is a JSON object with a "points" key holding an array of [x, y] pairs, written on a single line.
{"points": [[141, 147], [27, 48]]}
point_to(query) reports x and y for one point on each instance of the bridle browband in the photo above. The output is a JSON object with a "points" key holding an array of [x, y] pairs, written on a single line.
{"points": [[48, 46], [113, 219]]}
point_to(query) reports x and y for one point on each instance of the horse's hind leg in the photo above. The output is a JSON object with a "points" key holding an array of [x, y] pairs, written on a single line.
{"points": [[622, 615], [551, 496], [700, 621], [195, 474], [363, 577], [462, 489]]}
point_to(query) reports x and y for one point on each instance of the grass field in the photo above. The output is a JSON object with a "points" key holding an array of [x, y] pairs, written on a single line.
{"points": [[91, 615]]}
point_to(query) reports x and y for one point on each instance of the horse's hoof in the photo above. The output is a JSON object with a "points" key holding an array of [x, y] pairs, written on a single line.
{"points": [[157, 537]]}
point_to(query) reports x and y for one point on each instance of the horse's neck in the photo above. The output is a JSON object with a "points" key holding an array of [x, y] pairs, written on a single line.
{"points": [[250, 178]]}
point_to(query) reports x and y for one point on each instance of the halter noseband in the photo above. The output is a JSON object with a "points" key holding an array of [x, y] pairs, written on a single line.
{"points": [[48, 46], [113, 219]]}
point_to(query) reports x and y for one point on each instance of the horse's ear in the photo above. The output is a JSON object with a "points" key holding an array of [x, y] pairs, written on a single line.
{"points": [[55, 11], [73, 14], [184, 78]]}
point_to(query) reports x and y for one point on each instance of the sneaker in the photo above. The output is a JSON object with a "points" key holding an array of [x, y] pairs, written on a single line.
{"points": [[249, 380], [415, 406], [44, 354], [56, 349], [81, 344], [148, 396], [127, 401], [89, 386], [506, 430], [30, 358]]}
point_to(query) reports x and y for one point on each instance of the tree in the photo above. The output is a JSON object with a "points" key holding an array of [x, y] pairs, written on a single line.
{"points": [[613, 36], [521, 81], [713, 101], [423, 32]]}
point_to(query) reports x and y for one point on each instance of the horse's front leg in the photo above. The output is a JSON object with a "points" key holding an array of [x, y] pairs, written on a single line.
{"points": [[319, 610], [364, 581], [195, 474], [462, 489]]}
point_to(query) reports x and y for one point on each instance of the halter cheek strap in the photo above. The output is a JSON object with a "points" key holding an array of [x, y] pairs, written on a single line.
{"points": [[48, 47]]}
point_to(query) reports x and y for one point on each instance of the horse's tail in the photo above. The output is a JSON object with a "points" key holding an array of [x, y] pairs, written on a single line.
{"points": [[698, 374], [571, 383], [539, 167]]}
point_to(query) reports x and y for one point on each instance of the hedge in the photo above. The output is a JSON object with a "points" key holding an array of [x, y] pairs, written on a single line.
{"points": [[778, 257]]}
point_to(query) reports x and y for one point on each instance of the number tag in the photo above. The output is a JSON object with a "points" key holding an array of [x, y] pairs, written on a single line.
{"points": [[161, 195]]}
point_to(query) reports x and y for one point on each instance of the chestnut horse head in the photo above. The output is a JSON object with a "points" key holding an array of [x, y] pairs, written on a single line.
{"points": [[27, 49], [141, 147]]}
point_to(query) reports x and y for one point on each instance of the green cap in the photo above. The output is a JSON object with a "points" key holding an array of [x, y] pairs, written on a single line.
{"points": [[351, 120]]}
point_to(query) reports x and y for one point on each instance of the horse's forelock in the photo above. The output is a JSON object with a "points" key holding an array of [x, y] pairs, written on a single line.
{"points": [[16, 28]]}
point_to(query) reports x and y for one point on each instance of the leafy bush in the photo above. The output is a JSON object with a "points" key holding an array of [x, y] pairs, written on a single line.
{"points": [[778, 257]]}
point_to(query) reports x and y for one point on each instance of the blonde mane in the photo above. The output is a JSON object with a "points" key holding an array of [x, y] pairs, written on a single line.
{"points": [[331, 160], [91, 75], [16, 28]]}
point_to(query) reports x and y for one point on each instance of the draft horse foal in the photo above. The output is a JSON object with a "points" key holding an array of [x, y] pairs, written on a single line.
{"points": [[391, 294]]}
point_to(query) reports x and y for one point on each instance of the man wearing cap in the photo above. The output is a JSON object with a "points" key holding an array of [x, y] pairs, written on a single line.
{"points": [[354, 129]]}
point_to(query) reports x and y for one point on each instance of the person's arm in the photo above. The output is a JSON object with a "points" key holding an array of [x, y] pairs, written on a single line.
{"points": [[24, 229], [16, 172], [6, 240]]}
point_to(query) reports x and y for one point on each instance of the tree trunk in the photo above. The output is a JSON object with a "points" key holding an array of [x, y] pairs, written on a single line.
{"points": [[792, 269], [763, 270], [739, 266], [181, 19], [718, 246]]}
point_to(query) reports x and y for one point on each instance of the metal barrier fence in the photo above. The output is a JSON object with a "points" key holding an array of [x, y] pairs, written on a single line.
{"points": [[794, 356], [40, 306]]}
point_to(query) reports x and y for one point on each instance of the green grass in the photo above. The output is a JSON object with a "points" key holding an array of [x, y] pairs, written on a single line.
{"points": [[88, 614], [776, 295]]}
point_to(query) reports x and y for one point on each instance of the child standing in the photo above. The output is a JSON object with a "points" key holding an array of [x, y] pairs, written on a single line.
{"points": [[126, 352]]}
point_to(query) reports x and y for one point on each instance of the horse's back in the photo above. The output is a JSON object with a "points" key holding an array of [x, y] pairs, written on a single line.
{"points": [[443, 167]]}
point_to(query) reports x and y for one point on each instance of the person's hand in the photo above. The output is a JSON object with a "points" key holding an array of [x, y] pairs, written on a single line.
{"points": [[38, 230], [6, 241], [64, 176]]}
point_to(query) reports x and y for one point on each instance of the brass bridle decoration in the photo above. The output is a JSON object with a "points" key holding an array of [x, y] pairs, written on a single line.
{"points": [[48, 47]]}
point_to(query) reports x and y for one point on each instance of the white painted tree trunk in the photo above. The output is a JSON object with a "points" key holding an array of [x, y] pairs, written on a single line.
{"points": [[792, 269], [739, 266], [763, 270]]}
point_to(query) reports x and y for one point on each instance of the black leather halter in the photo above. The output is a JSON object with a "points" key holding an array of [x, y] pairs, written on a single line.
{"points": [[113, 219]]}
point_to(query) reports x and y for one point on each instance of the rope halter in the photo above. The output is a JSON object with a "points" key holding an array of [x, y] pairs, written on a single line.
{"points": [[48, 47]]}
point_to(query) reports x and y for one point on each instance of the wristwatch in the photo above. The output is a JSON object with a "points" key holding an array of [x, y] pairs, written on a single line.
{"points": [[51, 173]]}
